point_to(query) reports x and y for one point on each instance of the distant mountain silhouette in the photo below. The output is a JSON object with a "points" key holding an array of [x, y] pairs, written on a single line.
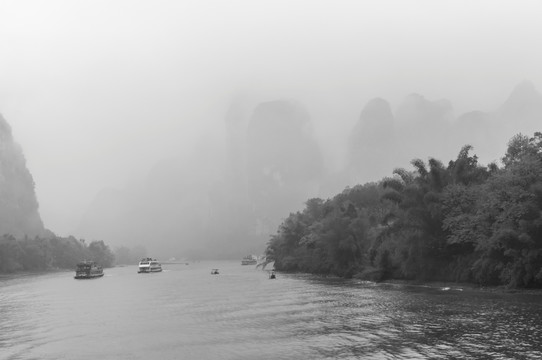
{"points": [[479, 129], [284, 162], [524, 102], [178, 212], [423, 128], [381, 142], [227, 196], [371, 145], [19, 214], [489, 132], [522, 111], [111, 215]]}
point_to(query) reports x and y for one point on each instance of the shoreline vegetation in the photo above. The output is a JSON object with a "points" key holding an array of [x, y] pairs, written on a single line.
{"points": [[461, 223], [40, 255], [464, 223]]}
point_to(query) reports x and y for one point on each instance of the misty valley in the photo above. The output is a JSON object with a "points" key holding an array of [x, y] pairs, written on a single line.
{"points": [[387, 214], [392, 256], [270, 180]]}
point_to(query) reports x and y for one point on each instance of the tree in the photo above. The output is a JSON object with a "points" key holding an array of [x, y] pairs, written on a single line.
{"points": [[100, 253], [463, 222]]}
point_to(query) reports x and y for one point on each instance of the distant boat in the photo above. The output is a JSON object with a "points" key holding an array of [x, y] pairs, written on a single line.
{"points": [[88, 270], [249, 260], [272, 274], [149, 265], [214, 272]]}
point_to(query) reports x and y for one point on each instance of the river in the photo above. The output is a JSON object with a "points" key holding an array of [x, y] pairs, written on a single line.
{"points": [[185, 312]]}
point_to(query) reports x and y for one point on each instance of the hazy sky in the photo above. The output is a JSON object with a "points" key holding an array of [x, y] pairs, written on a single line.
{"points": [[98, 91]]}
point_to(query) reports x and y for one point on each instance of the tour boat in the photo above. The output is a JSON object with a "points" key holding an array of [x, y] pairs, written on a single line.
{"points": [[249, 260], [88, 270], [149, 265]]}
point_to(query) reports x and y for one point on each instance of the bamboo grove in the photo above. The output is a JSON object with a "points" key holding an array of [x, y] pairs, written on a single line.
{"points": [[463, 222]]}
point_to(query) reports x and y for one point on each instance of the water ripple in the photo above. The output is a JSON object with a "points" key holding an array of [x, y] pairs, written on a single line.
{"points": [[184, 313]]}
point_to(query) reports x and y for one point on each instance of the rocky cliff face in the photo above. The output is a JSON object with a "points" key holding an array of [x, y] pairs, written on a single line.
{"points": [[19, 214]]}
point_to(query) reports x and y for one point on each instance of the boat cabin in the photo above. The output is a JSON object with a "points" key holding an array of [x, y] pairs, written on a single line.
{"points": [[88, 270]]}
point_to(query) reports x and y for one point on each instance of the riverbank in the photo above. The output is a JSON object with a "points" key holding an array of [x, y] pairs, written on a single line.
{"points": [[461, 286], [376, 275], [21, 273]]}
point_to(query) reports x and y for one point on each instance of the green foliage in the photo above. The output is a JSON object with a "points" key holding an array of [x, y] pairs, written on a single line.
{"points": [[463, 222], [42, 254], [332, 236], [100, 253], [521, 147]]}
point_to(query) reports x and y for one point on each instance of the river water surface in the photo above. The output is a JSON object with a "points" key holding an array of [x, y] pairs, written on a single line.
{"points": [[185, 312]]}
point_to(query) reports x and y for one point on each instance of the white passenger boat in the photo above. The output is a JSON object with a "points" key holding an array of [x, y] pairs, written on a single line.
{"points": [[149, 265], [249, 260]]}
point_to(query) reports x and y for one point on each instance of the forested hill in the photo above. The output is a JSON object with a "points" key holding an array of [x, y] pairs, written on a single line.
{"points": [[25, 244], [460, 222], [19, 214]]}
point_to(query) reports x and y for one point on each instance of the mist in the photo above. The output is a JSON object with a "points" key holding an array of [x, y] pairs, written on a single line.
{"points": [[194, 128]]}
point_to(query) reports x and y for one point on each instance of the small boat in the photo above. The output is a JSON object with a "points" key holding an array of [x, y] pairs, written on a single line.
{"points": [[272, 274], [149, 265], [249, 260], [88, 270], [214, 272]]}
